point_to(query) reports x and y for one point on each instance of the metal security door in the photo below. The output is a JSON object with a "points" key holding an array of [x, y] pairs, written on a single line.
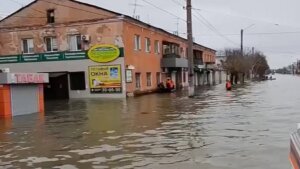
{"points": [[24, 99]]}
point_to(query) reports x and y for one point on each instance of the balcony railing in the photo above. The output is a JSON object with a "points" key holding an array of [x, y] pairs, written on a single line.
{"points": [[171, 55], [198, 62], [174, 61]]}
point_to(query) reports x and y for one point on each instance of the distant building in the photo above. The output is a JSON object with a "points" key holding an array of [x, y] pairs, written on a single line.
{"points": [[56, 36]]}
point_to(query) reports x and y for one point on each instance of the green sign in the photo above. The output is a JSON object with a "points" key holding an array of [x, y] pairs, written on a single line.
{"points": [[43, 57], [75, 55], [47, 57], [104, 53], [31, 58], [9, 59], [52, 56]]}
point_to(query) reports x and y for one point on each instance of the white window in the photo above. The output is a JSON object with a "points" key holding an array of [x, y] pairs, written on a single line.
{"points": [[147, 45], [157, 47], [51, 44], [27, 46], [75, 42], [149, 79], [137, 42]]}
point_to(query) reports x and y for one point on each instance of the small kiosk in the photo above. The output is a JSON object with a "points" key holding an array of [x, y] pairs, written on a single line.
{"points": [[21, 93]]}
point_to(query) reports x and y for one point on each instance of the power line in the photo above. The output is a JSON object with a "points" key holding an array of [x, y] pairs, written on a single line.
{"points": [[155, 6], [17, 2], [232, 15], [212, 28], [178, 3], [207, 24], [259, 33], [17, 16], [24, 5], [75, 8], [135, 6]]}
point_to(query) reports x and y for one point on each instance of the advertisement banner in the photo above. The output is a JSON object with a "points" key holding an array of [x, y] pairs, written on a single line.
{"points": [[105, 79], [104, 53]]}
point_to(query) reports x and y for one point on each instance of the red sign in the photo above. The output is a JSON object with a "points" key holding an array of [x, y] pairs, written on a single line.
{"points": [[29, 78]]}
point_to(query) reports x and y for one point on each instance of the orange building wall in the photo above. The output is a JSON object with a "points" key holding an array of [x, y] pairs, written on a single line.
{"points": [[209, 57], [143, 61], [41, 101], [5, 101]]}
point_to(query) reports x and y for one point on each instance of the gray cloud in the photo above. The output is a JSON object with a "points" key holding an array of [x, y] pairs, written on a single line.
{"points": [[227, 16]]}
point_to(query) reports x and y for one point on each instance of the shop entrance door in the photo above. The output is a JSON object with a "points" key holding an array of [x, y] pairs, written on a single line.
{"points": [[58, 86]]}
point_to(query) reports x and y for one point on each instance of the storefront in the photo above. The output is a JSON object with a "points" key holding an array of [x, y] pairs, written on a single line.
{"points": [[97, 73]]}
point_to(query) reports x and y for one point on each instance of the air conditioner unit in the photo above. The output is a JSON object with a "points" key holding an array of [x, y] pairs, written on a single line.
{"points": [[4, 70], [85, 38]]}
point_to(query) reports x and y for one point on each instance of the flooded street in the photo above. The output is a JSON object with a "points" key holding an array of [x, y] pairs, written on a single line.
{"points": [[245, 128]]}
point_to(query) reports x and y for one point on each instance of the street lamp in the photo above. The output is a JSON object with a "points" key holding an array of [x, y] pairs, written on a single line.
{"points": [[242, 37]]}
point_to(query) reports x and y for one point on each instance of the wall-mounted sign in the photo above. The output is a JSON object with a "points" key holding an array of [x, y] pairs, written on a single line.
{"points": [[48, 57], [103, 53], [24, 78], [128, 76], [105, 79]]}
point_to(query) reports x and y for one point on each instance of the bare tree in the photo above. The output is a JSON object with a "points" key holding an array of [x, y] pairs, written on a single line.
{"points": [[239, 65]]}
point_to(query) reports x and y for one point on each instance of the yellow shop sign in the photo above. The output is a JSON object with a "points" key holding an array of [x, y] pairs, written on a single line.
{"points": [[103, 53]]}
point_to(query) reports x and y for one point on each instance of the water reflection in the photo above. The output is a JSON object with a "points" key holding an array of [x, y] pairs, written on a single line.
{"points": [[244, 128]]}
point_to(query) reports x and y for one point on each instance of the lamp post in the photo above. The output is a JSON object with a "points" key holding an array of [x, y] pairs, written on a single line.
{"points": [[242, 37]]}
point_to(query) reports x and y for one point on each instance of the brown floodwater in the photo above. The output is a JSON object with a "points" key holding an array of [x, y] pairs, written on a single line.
{"points": [[245, 128]]}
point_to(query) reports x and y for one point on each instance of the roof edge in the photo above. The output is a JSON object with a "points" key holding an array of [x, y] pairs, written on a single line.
{"points": [[10, 15], [164, 31], [116, 13]]}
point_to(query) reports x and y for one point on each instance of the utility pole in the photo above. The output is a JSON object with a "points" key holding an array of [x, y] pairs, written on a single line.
{"points": [[242, 41], [135, 6], [190, 48]]}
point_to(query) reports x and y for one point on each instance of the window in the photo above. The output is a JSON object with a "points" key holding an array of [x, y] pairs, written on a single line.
{"points": [[77, 81], [147, 45], [50, 16], [171, 48], [51, 44], [74, 42], [158, 78], [149, 79], [138, 80], [156, 47], [137, 42], [27, 46]]}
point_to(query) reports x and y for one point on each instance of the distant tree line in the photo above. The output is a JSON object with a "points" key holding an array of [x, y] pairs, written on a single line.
{"points": [[243, 65]]}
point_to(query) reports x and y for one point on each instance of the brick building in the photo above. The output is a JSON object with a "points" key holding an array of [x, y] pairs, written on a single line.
{"points": [[55, 36]]}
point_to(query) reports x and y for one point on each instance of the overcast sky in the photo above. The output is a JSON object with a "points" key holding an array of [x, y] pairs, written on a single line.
{"points": [[217, 23]]}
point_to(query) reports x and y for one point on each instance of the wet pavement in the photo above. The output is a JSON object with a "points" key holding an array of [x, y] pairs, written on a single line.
{"points": [[245, 128]]}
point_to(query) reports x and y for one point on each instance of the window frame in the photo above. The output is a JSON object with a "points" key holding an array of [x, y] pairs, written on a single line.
{"points": [[149, 81], [52, 38], [137, 42], [77, 44], [28, 46], [138, 83], [147, 45], [157, 47], [50, 19]]}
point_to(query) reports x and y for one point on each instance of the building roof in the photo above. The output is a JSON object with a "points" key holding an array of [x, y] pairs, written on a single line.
{"points": [[113, 12]]}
